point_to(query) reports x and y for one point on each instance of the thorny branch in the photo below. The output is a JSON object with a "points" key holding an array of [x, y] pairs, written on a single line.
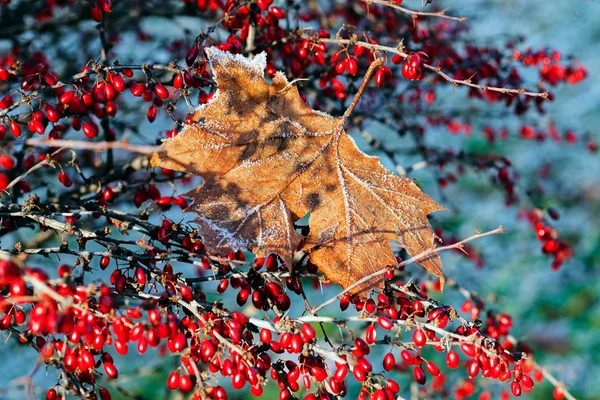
{"points": [[454, 82]]}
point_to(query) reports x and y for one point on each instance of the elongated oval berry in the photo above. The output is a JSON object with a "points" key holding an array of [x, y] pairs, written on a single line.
{"points": [[173, 380], [527, 382], [105, 5], [15, 128], [432, 368], [111, 370], [140, 276], [178, 81], [7, 161], [4, 74], [96, 14], [385, 323], [341, 372], [364, 364], [473, 368], [51, 113], [104, 261], [66, 97], [104, 394], [238, 380], [558, 393], [118, 83], [90, 130], [407, 357], [419, 375], [515, 388], [191, 55], [308, 331], [389, 361], [161, 91], [380, 77], [452, 359], [278, 12], [151, 113], [352, 66], [65, 179], [371, 334], [392, 385], [468, 349], [419, 338]]}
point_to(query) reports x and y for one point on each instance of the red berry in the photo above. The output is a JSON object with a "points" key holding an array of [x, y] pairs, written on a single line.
{"points": [[407, 357], [137, 89], [191, 55], [104, 261], [432, 368], [385, 323], [118, 83], [104, 394], [265, 335], [51, 113], [151, 115], [105, 5], [90, 130], [308, 331], [414, 61], [473, 368], [4, 74], [96, 14], [51, 394], [452, 359], [66, 97], [185, 383], [419, 375], [351, 66], [380, 77], [6, 161], [173, 380], [371, 334], [389, 361], [15, 128], [111, 370], [108, 194], [364, 364], [35, 125], [161, 91], [278, 12], [419, 338], [558, 393], [238, 380], [527, 382], [468, 349], [178, 81], [515, 388], [65, 179], [140, 276]]}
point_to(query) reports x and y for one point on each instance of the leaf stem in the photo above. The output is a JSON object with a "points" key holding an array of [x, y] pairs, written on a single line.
{"points": [[374, 65]]}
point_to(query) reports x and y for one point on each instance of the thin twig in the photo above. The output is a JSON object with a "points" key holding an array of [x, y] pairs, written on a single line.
{"points": [[94, 146], [415, 14], [437, 70]]}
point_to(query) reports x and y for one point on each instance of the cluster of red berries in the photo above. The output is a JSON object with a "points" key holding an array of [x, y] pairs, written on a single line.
{"points": [[552, 244]]}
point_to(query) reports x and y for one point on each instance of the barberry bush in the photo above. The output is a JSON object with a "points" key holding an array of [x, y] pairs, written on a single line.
{"points": [[109, 291]]}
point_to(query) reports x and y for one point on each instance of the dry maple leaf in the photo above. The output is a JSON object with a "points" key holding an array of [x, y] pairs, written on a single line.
{"points": [[267, 159]]}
